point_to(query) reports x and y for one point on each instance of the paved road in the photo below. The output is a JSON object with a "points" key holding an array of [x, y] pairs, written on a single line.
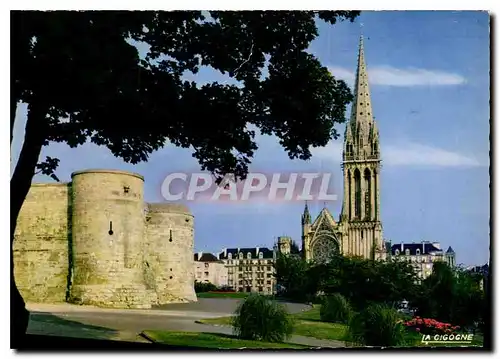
{"points": [[219, 305], [89, 322]]}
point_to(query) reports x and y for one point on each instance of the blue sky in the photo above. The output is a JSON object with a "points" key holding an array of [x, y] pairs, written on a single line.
{"points": [[429, 81]]}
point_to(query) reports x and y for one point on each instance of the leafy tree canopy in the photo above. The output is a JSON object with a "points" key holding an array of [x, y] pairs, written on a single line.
{"points": [[83, 79]]}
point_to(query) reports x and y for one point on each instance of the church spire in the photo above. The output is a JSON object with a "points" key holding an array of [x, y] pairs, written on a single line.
{"points": [[361, 111], [306, 217], [361, 137]]}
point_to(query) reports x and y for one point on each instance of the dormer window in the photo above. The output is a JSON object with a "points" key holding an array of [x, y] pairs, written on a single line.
{"points": [[418, 251], [241, 255], [397, 252], [249, 255], [230, 256], [261, 255], [407, 252]]}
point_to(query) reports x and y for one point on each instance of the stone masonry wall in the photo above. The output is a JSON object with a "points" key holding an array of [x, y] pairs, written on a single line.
{"points": [[41, 256], [108, 228], [95, 242], [168, 252]]}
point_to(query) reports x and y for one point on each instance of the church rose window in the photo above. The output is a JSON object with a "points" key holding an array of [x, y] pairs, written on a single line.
{"points": [[324, 248]]}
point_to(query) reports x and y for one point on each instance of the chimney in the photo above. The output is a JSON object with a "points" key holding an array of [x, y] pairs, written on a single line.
{"points": [[257, 251], [423, 247], [225, 252], [402, 247]]}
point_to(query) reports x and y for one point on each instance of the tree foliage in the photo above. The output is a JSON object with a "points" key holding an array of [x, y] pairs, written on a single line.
{"points": [[451, 295], [364, 281], [82, 67], [82, 77], [291, 273]]}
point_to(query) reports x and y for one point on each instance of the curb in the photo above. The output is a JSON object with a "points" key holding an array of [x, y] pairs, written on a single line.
{"points": [[66, 309], [212, 325], [147, 337]]}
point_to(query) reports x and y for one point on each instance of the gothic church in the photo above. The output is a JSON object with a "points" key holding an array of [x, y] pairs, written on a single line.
{"points": [[359, 229]]}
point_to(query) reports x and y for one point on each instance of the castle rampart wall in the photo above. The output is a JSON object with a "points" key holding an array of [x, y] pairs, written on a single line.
{"points": [[41, 256], [169, 252], [95, 242]]}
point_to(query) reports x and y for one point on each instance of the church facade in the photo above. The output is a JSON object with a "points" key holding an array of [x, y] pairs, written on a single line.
{"points": [[358, 232]]}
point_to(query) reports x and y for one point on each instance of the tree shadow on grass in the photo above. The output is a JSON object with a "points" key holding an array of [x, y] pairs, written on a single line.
{"points": [[48, 332], [45, 323]]}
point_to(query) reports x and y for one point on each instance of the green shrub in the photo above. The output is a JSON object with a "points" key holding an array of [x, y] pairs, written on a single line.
{"points": [[335, 309], [202, 287], [377, 325], [259, 318]]}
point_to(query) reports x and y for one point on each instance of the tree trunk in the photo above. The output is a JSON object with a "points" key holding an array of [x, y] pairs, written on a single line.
{"points": [[13, 108], [20, 183]]}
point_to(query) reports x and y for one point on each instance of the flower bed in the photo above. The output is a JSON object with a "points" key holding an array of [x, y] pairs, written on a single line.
{"points": [[430, 326]]}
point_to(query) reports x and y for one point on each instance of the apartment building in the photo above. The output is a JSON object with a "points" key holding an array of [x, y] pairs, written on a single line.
{"points": [[250, 269], [208, 268], [423, 255]]}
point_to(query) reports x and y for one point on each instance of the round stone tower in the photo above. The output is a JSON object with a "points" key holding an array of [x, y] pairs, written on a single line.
{"points": [[169, 251], [107, 235]]}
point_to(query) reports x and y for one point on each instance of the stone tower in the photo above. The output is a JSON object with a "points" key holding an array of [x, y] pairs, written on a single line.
{"points": [[450, 257], [361, 164], [284, 245], [359, 230]]}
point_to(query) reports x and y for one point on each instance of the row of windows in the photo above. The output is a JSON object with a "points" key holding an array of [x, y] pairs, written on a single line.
{"points": [[407, 252], [258, 269], [255, 261], [249, 282], [249, 255], [418, 259], [260, 289], [257, 275]]}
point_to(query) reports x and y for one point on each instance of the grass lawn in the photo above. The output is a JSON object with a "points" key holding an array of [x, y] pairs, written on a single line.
{"points": [[237, 295], [309, 324], [213, 341]]}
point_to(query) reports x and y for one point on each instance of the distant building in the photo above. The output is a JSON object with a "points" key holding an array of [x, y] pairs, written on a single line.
{"points": [[208, 268], [250, 269], [284, 245], [422, 255], [483, 271]]}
